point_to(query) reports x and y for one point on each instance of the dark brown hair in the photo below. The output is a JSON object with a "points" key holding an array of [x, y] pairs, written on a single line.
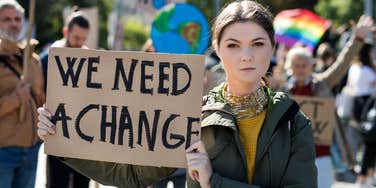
{"points": [[80, 21], [364, 56], [243, 11]]}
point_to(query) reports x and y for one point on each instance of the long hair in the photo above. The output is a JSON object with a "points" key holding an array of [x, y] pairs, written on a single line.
{"points": [[365, 57]]}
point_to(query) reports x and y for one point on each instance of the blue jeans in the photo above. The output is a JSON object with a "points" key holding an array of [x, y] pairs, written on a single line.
{"points": [[18, 166]]}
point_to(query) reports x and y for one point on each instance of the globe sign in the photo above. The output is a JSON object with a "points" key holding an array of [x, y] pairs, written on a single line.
{"points": [[180, 28], [157, 4]]}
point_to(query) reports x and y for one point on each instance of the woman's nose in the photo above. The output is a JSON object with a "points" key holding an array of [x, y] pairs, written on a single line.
{"points": [[247, 55]]}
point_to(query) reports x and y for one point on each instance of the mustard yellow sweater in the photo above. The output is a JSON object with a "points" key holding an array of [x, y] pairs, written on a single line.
{"points": [[249, 131]]}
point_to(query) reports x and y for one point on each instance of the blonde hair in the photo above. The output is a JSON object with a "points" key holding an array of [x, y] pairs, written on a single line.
{"points": [[293, 54]]}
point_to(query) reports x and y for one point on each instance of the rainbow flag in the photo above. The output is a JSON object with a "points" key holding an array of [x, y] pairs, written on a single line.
{"points": [[299, 25]]}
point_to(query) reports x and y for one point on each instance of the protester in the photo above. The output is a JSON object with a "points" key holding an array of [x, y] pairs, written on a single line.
{"points": [[362, 81], [75, 34], [59, 175], [304, 82], [258, 113], [19, 142], [362, 84], [273, 144]]}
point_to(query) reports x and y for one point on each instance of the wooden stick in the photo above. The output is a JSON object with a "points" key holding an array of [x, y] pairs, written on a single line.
{"points": [[27, 52]]}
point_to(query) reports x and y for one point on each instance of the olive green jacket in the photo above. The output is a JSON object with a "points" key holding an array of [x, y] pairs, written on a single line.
{"points": [[284, 158]]}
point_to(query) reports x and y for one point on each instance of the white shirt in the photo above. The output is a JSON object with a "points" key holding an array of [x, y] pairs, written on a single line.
{"points": [[360, 79]]}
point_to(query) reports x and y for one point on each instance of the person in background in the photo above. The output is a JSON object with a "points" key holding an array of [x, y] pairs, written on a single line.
{"points": [[362, 79], [19, 142], [59, 175], [75, 35], [304, 82], [250, 136], [361, 83]]}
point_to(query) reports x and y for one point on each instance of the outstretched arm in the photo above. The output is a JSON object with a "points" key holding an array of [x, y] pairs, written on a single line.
{"points": [[340, 67]]}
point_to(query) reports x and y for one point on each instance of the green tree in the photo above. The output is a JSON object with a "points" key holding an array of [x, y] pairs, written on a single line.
{"points": [[135, 34], [207, 7], [339, 11], [49, 19]]}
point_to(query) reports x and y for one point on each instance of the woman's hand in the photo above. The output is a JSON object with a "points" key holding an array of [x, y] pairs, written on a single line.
{"points": [[45, 126], [364, 27], [199, 165]]}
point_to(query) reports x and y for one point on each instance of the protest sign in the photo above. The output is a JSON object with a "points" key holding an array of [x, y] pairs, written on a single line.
{"points": [[125, 107], [321, 113]]}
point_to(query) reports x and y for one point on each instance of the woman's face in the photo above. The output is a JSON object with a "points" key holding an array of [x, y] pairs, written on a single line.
{"points": [[245, 51]]}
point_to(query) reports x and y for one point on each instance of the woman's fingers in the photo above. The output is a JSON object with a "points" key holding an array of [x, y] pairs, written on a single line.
{"points": [[196, 156], [44, 111], [197, 146], [194, 170], [196, 162], [45, 127], [193, 174], [46, 121], [42, 133]]}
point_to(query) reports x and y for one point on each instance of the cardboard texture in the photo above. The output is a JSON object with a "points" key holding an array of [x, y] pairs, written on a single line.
{"points": [[321, 113], [125, 107]]}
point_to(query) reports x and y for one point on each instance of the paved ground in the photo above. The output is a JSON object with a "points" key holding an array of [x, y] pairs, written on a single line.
{"points": [[41, 178]]}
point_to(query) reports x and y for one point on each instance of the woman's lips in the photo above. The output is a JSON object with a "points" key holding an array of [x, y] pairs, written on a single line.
{"points": [[248, 69]]}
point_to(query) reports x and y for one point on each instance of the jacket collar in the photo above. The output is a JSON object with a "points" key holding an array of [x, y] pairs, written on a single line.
{"points": [[278, 104], [217, 113]]}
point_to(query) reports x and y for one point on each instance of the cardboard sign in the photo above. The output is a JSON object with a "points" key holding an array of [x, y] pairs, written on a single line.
{"points": [[125, 107], [321, 113]]}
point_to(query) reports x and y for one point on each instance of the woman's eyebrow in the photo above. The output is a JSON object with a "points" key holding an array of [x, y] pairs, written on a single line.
{"points": [[259, 38], [255, 39], [232, 39]]}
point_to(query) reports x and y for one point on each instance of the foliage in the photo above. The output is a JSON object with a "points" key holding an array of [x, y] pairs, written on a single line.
{"points": [[135, 34], [207, 7], [49, 18], [339, 11]]}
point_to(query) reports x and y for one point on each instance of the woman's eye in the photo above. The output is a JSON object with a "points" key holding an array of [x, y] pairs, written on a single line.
{"points": [[232, 45], [258, 44]]}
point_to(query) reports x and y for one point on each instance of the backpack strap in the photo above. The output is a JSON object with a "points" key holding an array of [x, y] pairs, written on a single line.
{"points": [[4, 61]]}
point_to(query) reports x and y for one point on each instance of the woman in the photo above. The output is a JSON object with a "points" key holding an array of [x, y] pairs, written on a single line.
{"points": [[362, 84], [304, 82], [362, 80], [251, 136]]}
